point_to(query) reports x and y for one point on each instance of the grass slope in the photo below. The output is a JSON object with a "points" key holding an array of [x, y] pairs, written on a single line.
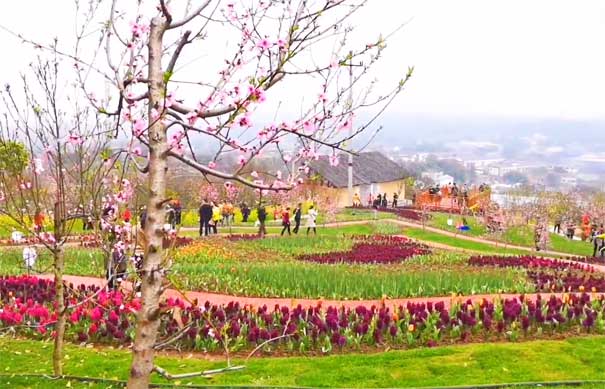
{"points": [[573, 359]]}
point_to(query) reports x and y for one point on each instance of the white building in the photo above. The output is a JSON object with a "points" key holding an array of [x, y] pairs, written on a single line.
{"points": [[439, 177]]}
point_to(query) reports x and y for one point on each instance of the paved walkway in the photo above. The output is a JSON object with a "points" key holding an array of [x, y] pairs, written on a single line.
{"points": [[403, 223], [411, 224], [223, 299]]}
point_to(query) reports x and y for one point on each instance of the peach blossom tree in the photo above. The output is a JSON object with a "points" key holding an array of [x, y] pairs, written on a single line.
{"points": [[201, 74]]}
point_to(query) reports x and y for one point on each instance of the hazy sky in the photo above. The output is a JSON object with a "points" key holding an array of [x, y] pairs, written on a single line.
{"points": [[538, 58]]}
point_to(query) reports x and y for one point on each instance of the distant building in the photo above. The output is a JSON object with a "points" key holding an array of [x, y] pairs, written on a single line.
{"points": [[439, 177], [373, 173]]}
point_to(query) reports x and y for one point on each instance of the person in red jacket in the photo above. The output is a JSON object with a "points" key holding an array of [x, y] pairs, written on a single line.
{"points": [[127, 215], [285, 221], [39, 221]]}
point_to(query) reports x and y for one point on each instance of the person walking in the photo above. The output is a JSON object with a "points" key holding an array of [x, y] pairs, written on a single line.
{"points": [[557, 229], [378, 201], [29, 257], [216, 217], [385, 201], [227, 212], [245, 213], [598, 242], [170, 217], [178, 212], [312, 220], [285, 221], [395, 198], [205, 213], [297, 217], [262, 218]]}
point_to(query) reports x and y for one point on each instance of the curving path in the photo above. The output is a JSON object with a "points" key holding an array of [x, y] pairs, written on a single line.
{"points": [[411, 224], [400, 222]]}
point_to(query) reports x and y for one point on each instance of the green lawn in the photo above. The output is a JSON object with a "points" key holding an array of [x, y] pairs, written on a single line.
{"points": [[524, 236], [474, 364], [435, 237], [77, 261], [439, 220], [517, 235]]}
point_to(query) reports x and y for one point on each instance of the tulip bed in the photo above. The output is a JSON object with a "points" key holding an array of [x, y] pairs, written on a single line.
{"points": [[550, 274], [108, 317], [376, 249], [272, 267]]}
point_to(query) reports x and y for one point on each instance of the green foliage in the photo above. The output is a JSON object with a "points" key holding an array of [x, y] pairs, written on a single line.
{"points": [[13, 157]]}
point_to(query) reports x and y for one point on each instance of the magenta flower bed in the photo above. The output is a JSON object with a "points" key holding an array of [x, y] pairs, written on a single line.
{"points": [[374, 249], [26, 306], [550, 274]]}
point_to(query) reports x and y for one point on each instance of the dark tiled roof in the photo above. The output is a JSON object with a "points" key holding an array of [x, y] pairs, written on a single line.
{"points": [[368, 168]]}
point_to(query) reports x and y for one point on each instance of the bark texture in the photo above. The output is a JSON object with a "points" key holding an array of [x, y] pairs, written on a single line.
{"points": [[152, 272], [59, 262]]}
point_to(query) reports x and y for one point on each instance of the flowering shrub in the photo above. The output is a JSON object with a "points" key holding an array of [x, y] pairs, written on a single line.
{"points": [[108, 317], [549, 274], [375, 249]]}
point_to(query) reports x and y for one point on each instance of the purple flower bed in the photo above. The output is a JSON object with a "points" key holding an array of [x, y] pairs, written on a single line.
{"points": [[549, 274], [375, 249], [109, 318]]}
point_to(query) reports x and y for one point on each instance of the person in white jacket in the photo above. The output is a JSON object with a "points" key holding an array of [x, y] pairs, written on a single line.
{"points": [[312, 220], [29, 257]]}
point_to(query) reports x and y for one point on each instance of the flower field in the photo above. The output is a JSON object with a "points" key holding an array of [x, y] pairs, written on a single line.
{"points": [[108, 318], [288, 267], [549, 274], [377, 249]]}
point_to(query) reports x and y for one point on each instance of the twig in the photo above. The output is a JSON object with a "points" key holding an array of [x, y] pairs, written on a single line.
{"points": [[205, 373]]}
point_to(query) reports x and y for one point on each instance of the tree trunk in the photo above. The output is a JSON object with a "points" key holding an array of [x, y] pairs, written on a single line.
{"points": [[59, 264], [152, 272]]}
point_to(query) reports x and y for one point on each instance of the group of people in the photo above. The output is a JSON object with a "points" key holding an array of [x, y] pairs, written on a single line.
{"points": [[211, 214], [380, 201], [296, 214], [598, 240]]}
